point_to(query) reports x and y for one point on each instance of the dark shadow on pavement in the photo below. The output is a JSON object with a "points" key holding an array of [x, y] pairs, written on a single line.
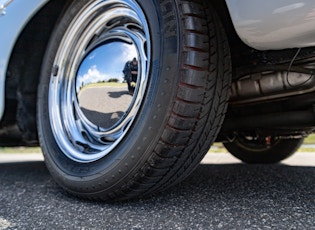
{"points": [[118, 94], [227, 196], [207, 181], [104, 120]]}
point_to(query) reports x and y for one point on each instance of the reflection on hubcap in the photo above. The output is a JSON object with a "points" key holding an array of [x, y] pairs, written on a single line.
{"points": [[102, 93], [99, 78]]}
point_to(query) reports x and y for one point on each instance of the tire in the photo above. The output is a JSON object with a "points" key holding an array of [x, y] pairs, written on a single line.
{"points": [[132, 145], [262, 150]]}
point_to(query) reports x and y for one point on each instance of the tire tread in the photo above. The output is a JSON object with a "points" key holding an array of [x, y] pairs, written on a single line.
{"points": [[192, 128]]}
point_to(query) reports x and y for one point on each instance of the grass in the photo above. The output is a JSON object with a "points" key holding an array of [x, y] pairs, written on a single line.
{"points": [[310, 139], [105, 84], [23, 150]]}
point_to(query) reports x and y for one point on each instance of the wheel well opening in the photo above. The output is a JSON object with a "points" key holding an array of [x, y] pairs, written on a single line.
{"points": [[18, 126]]}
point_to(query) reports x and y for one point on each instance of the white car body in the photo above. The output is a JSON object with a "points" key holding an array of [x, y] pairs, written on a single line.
{"points": [[281, 24]]}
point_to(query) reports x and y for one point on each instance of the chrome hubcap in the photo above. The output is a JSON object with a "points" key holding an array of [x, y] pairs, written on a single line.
{"points": [[90, 107]]}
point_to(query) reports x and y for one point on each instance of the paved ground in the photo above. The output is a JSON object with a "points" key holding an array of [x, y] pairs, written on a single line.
{"points": [[221, 194], [98, 110]]}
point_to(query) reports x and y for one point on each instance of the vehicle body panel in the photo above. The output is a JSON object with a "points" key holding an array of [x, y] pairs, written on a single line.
{"points": [[270, 24], [11, 26]]}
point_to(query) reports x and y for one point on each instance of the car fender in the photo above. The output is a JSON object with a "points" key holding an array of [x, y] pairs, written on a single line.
{"points": [[11, 26], [271, 24]]}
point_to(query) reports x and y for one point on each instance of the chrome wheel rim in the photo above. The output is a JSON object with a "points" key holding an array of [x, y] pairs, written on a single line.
{"points": [[89, 114]]}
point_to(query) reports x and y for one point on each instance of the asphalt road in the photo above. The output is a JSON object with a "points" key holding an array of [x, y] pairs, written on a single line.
{"points": [[221, 194], [98, 110]]}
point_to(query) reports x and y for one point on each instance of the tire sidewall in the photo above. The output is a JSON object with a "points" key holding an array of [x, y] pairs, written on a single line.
{"points": [[136, 147]]}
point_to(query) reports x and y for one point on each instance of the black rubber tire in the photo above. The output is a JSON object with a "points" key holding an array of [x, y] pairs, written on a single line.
{"points": [[179, 118], [252, 153]]}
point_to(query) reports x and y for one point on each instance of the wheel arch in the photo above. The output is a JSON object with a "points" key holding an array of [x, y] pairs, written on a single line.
{"points": [[21, 80]]}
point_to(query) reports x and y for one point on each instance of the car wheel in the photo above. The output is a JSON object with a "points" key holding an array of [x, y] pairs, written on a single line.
{"points": [[262, 150], [102, 142]]}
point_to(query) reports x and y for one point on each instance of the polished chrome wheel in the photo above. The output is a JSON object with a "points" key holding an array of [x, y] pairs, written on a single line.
{"points": [[90, 114]]}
